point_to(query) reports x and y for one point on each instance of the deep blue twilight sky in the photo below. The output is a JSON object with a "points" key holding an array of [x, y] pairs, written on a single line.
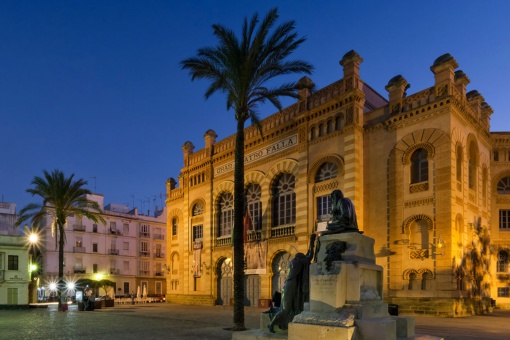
{"points": [[95, 88]]}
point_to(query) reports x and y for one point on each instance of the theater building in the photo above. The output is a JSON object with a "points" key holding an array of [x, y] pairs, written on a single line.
{"points": [[416, 166]]}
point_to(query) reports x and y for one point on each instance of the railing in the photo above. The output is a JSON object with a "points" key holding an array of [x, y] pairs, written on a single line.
{"points": [[254, 236], [286, 230], [158, 274], [159, 255], [159, 237], [145, 272], [79, 227], [115, 232], [80, 271], [78, 249], [223, 241], [145, 254], [113, 251], [114, 271], [143, 234]]}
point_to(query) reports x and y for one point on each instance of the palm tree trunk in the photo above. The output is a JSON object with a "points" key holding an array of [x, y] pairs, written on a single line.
{"points": [[239, 228], [61, 284]]}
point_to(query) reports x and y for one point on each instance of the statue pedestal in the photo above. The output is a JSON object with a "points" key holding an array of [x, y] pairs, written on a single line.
{"points": [[345, 300]]}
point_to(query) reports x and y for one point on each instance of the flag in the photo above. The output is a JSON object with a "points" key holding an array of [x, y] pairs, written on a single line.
{"points": [[247, 225]]}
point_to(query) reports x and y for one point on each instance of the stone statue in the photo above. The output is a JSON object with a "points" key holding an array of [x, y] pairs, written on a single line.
{"points": [[343, 215], [296, 289]]}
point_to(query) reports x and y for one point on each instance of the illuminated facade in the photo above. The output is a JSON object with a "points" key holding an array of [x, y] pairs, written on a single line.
{"points": [[128, 250], [417, 167]]}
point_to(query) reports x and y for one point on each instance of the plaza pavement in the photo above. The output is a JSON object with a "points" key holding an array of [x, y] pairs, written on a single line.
{"points": [[171, 321]]}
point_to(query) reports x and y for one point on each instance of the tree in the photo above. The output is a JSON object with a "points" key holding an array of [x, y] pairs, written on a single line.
{"points": [[62, 197], [241, 69]]}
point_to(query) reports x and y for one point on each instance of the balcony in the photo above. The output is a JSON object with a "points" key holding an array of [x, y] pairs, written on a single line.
{"points": [[145, 254], [224, 241], [114, 271], [282, 231], [145, 234], [159, 274], [158, 237], [79, 227], [145, 272], [79, 270], [159, 255], [113, 252], [115, 232], [79, 250]]}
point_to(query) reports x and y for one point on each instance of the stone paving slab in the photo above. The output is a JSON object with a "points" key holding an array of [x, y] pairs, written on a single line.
{"points": [[171, 321]]}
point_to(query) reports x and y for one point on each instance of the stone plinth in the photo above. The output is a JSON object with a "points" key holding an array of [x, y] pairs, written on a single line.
{"points": [[345, 298]]}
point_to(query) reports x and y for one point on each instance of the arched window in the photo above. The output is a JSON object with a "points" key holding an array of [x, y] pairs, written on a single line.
{"points": [[175, 227], [503, 187], [254, 205], [198, 209], [337, 122], [226, 214], [329, 126], [419, 238], [175, 263], [473, 151], [326, 171], [496, 155], [419, 166], [321, 129], [312, 133], [284, 200], [459, 163], [502, 265]]}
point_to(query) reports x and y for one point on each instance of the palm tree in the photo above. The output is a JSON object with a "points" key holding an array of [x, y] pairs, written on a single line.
{"points": [[241, 68], [62, 197]]}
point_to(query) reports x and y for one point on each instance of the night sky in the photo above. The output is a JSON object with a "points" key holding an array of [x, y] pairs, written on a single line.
{"points": [[95, 88]]}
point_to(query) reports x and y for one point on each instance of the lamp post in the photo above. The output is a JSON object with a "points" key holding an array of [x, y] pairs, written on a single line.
{"points": [[33, 257]]}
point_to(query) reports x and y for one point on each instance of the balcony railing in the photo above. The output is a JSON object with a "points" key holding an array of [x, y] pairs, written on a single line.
{"points": [[79, 227], [78, 249], [158, 274], [254, 236], [145, 234], [286, 230], [145, 272], [158, 236], [114, 271], [223, 241], [113, 251], [115, 232], [159, 255], [80, 271], [145, 254]]}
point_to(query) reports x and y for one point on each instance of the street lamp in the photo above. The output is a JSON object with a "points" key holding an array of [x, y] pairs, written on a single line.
{"points": [[33, 240]]}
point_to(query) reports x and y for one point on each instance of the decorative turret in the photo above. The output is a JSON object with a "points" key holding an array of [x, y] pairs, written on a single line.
{"points": [[443, 69], [461, 80], [188, 148], [350, 62], [210, 138], [305, 86], [475, 99], [396, 88]]}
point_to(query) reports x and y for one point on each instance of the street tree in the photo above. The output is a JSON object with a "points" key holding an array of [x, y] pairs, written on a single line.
{"points": [[242, 68], [62, 197]]}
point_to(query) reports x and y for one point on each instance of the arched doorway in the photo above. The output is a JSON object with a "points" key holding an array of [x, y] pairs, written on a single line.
{"points": [[279, 266], [225, 284]]}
